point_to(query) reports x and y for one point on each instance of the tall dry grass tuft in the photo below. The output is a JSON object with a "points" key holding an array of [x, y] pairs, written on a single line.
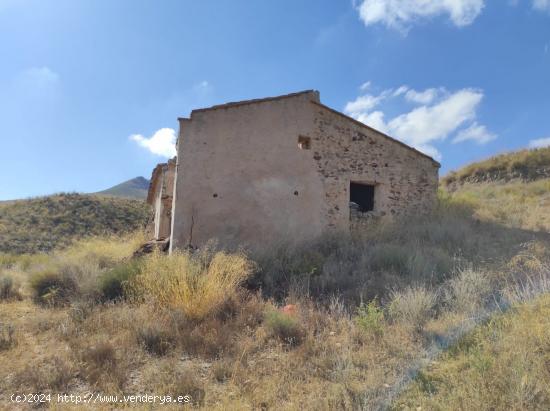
{"points": [[197, 284], [467, 291], [412, 306], [9, 290], [7, 337]]}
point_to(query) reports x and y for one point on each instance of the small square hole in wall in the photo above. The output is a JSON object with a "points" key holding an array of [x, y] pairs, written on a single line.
{"points": [[304, 143]]}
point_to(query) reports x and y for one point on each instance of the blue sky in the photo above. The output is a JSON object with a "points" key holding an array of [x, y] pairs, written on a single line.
{"points": [[90, 89]]}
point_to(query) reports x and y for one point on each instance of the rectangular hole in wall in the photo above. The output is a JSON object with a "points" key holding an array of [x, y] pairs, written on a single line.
{"points": [[361, 196], [304, 143]]}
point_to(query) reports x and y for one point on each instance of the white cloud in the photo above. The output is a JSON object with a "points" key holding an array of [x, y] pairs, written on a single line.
{"points": [[540, 143], [365, 86], [542, 5], [400, 90], [428, 123], [437, 115], [363, 103], [475, 132], [422, 97], [162, 143], [400, 14], [429, 150]]}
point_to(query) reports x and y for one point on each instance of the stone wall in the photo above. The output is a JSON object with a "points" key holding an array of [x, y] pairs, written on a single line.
{"points": [[345, 150], [258, 172], [160, 196]]}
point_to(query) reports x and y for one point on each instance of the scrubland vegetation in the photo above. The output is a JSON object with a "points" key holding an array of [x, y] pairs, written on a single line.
{"points": [[446, 311], [525, 165], [44, 223]]}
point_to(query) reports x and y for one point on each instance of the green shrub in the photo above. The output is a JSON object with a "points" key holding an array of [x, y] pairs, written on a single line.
{"points": [[52, 288], [283, 326], [112, 283], [370, 317]]}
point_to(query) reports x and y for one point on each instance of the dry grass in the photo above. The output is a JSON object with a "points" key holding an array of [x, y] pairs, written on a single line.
{"points": [[197, 284], [503, 365], [467, 291], [191, 328], [526, 165], [518, 205], [412, 306]]}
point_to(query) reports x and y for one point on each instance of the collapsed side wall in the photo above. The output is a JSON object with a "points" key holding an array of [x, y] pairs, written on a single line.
{"points": [[160, 197], [243, 179], [345, 150], [164, 202]]}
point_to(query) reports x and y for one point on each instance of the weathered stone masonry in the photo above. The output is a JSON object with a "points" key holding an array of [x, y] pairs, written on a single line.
{"points": [[160, 196], [287, 168], [405, 180]]}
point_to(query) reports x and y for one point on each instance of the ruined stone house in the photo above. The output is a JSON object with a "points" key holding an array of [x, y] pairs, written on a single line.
{"points": [[283, 168]]}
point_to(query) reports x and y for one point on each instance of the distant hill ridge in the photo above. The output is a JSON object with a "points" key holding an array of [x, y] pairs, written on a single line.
{"points": [[134, 188], [526, 165], [44, 223]]}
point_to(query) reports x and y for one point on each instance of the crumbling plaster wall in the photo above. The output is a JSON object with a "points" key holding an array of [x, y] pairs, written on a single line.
{"points": [[160, 197], [242, 178]]}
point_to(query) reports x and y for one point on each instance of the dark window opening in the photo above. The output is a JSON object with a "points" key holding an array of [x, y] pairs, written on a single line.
{"points": [[361, 197], [304, 143]]}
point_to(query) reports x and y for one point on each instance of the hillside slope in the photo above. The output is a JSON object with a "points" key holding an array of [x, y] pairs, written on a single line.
{"points": [[44, 223], [134, 188], [510, 189], [502, 365], [524, 165]]}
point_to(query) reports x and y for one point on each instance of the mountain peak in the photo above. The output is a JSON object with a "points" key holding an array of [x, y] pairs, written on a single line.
{"points": [[134, 188]]}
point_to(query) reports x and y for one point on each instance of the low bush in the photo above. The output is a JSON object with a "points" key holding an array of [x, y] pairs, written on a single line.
{"points": [[222, 371], [101, 365], [53, 288], [172, 379], [466, 291], [370, 318], [412, 306], [112, 283], [389, 257], [7, 337], [155, 340], [197, 284], [51, 373], [284, 326], [8, 289]]}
